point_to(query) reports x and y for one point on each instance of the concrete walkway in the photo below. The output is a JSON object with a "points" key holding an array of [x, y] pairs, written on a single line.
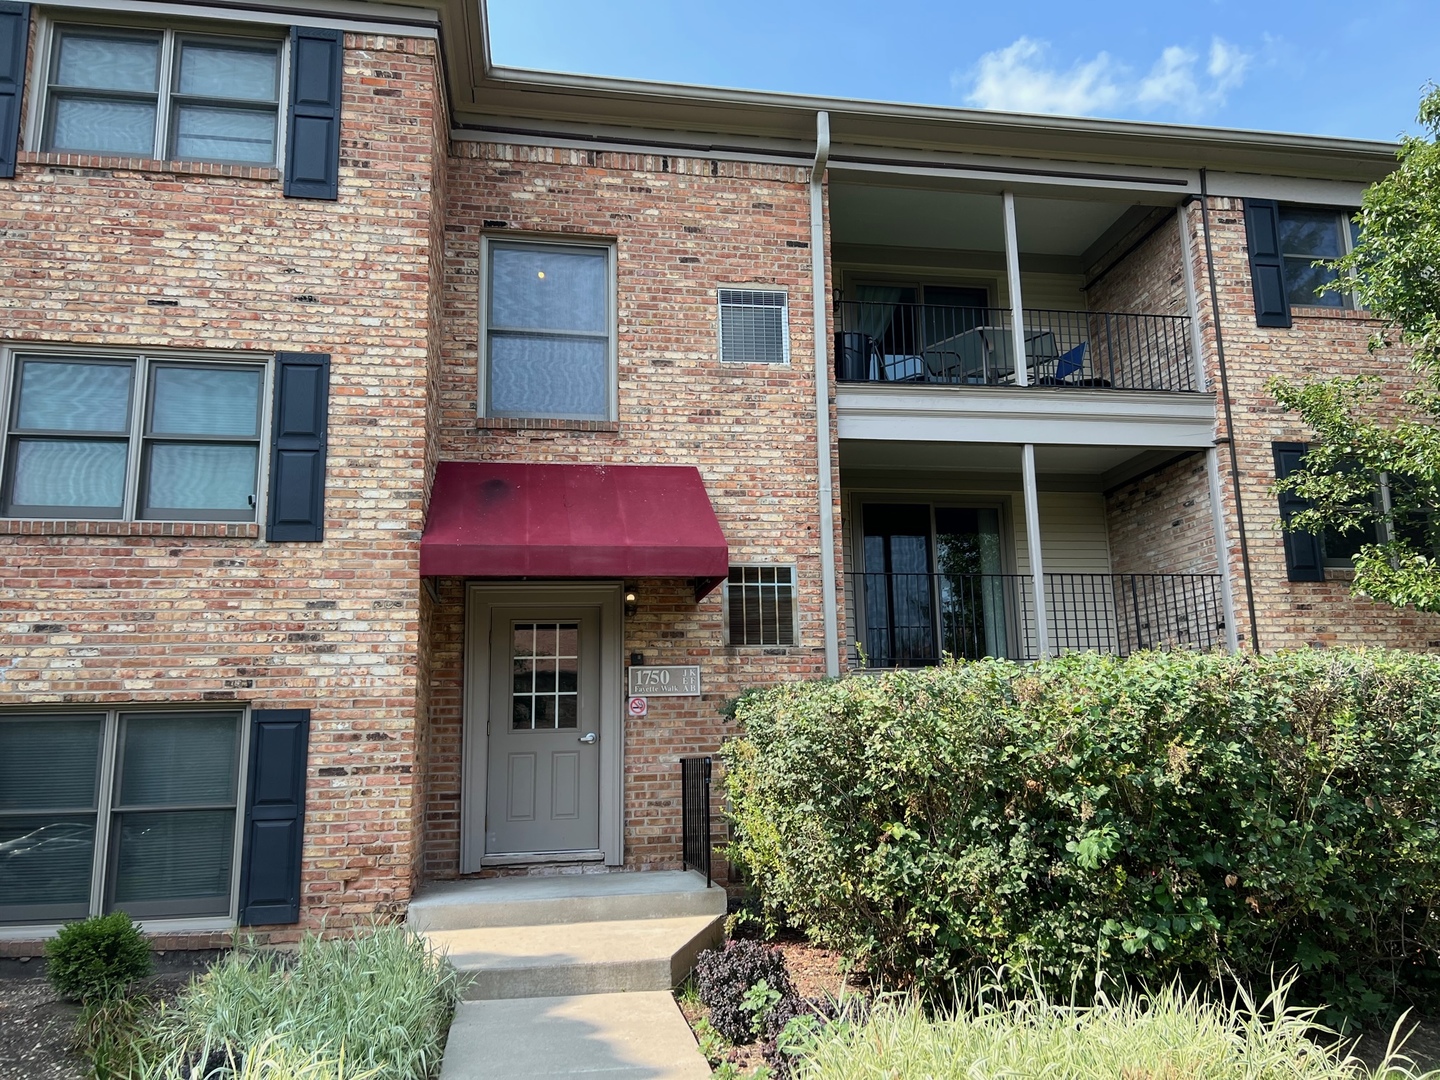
{"points": [[572, 973], [635, 1036]]}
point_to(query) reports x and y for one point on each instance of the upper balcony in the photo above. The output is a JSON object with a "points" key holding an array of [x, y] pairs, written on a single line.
{"points": [[1014, 316]]}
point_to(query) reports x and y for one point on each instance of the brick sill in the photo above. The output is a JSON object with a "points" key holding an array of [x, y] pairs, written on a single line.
{"points": [[150, 165], [228, 530], [1319, 312], [519, 423]]}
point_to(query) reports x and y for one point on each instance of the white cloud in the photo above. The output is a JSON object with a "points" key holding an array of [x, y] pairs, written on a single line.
{"points": [[1022, 78]]}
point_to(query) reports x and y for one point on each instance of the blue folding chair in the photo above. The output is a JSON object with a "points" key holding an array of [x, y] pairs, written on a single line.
{"points": [[1066, 365]]}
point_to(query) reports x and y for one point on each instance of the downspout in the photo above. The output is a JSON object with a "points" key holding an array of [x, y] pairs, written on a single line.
{"points": [[819, 295], [1229, 416]]}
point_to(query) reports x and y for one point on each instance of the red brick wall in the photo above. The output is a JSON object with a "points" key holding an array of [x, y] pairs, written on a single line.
{"points": [[682, 227], [153, 613], [1322, 343]]}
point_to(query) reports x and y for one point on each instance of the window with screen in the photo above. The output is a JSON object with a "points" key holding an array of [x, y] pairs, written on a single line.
{"points": [[760, 605], [754, 326]]}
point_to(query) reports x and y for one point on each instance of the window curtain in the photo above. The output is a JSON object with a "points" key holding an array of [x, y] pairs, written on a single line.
{"points": [[876, 308], [992, 594]]}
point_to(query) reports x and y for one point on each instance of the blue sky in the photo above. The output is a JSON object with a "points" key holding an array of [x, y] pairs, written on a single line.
{"points": [[1318, 67]]}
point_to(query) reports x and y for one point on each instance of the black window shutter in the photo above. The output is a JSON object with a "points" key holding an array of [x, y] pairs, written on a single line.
{"points": [[1267, 270], [312, 141], [1304, 556], [297, 448], [274, 817], [14, 35]]}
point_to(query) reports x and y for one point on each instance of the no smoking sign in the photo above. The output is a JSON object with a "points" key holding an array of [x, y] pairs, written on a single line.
{"points": [[638, 706]]}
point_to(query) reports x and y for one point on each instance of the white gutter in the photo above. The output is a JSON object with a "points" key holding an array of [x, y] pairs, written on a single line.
{"points": [[819, 294]]}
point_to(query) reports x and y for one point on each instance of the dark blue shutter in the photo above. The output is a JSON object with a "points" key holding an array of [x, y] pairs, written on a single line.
{"points": [[1267, 270], [312, 141], [297, 448], [14, 34], [1304, 555], [274, 817]]}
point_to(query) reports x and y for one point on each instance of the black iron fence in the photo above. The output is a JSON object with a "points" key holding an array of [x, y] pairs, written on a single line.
{"points": [[695, 840], [929, 343], [912, 620]]}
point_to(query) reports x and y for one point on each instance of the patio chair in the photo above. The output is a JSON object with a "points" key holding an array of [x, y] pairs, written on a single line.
{"points": [[1066, 365]]}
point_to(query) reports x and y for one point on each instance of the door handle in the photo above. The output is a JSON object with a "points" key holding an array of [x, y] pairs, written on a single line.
{"points": [[589, 737]]}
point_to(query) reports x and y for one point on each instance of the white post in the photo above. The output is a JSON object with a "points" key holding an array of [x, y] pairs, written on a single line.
{"points": [[1222, 548], [1037, 565], [1017, 306], [1192, 300]]}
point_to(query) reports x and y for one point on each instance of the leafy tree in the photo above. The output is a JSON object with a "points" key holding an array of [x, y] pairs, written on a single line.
{"points": [[1394, 272]]}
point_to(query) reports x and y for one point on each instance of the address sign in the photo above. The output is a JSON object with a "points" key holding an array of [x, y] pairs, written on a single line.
{"points": [[665, 681]]}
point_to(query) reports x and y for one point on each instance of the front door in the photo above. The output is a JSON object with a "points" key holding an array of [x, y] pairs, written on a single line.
{"points": [[543, 772]]}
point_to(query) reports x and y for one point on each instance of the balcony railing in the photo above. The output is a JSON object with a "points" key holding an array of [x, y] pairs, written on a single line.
{"points": [[929, 343], [911, 620]]}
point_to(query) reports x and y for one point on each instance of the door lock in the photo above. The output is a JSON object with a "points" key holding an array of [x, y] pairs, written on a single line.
{"points": [[589, 737]]}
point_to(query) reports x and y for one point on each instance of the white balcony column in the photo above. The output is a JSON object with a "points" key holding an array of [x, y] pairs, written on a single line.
{"points": [[1017, 304], [1037, 565]]}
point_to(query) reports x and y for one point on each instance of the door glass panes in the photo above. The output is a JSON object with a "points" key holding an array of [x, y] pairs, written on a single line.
{"points": [[951, 310], [173, 819], [899, 603], [1307, 235], [971, 589], [546, 674], [49, 783], [548, 331]]}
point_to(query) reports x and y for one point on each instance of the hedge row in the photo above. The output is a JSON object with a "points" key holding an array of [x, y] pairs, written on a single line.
{"points": [[1164, 815]]}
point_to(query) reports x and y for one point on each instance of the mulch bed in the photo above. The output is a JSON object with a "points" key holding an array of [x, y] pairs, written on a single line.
{"points": [[37, 1028]]}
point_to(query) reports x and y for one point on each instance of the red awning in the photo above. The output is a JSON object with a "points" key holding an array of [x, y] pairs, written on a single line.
{"points": [[501, 520]]}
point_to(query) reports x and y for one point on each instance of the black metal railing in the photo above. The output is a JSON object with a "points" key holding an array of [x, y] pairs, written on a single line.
{"points": [[695, 841], [913, 620], [929, 343]]}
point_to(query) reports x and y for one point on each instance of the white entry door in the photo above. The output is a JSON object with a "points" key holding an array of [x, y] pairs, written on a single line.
{"points": [[543, 772]]}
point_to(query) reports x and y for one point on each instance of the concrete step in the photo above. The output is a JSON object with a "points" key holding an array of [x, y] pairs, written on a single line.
{"points": [[542, 901], [578, 958], [638, 1036]]}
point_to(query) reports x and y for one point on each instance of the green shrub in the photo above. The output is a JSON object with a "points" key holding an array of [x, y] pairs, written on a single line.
{"points": [[1166, 814], [97, 959], [1172, 1035], [383, 999]]}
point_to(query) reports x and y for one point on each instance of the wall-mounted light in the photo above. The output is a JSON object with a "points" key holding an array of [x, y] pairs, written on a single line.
{"points": [[632, 605]]}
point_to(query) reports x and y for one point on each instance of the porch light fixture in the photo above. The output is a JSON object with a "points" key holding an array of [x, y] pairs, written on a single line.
{"points": [[632, 605]]}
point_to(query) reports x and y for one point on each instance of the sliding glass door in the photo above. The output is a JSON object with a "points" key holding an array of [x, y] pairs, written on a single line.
{"points": [[932, 584]]}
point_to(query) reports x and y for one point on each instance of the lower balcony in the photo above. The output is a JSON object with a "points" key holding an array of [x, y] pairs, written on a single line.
{"points": [[916, 619]]}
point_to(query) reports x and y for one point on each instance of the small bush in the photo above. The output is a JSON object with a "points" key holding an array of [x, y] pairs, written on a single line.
{"points": [[1163, 815], [379, 1002], [726, 977], [97, 959], [792, 1028]]}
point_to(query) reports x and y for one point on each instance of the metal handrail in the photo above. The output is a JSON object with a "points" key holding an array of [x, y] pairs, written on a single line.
{"points": [[695, 815], [912, 620], [933, 343]]}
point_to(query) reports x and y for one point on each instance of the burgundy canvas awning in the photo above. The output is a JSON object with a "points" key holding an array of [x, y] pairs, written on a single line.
{"points": [[503, 520]]}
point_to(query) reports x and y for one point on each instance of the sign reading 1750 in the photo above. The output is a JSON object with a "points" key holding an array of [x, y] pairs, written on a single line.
{"points": [[665, 681]]}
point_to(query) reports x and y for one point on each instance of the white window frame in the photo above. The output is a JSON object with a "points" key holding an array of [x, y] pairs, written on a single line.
{"points": [[794, 604], [38, 91], [10, 356], [487, 244], [1347, 245], [720, 305], [104, 813]]}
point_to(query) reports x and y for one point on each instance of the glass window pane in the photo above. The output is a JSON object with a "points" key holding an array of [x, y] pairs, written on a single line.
{"points": [[173, 862], [1302, 279], [549, 375], [93, 125], [178, 759], [213, 133], [1310, 232], [200, 476], [82, 473], [206, 401], [57, 395], [45, 865], [68, 748], [107, 62], [543, 289], [229, 70]]}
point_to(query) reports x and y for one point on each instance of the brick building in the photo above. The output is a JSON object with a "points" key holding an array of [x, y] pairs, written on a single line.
{"points": [[379, 422]]}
